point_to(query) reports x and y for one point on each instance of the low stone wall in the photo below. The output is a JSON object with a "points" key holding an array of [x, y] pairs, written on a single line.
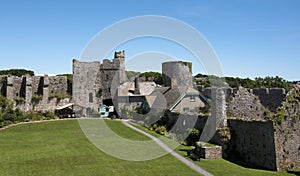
{"points": [[213, 152]]}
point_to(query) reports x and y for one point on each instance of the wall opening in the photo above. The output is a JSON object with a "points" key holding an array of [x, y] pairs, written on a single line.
{"points": [[91, 97]]}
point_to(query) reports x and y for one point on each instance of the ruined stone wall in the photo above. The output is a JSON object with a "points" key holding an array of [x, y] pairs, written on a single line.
{"points": [[37, 84], [245, 105], [30, 92], [58, 85], [207, 92], [15, 87], [253, 142], [287, 139], [287, 131], [270, 98]]}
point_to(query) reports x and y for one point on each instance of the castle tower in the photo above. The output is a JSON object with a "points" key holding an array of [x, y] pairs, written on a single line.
{"points": [[178, 72], [85, 86], [95, 83], [112, 74]]}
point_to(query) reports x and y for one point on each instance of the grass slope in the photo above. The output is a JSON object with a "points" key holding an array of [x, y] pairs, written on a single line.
{"points": [[60, 148]]}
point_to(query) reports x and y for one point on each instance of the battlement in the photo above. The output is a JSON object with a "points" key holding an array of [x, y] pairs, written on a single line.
{"points": [[270, 98], [111, 65]]}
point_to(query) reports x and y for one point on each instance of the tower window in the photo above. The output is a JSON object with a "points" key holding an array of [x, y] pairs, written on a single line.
{"points": [[91, 97]]}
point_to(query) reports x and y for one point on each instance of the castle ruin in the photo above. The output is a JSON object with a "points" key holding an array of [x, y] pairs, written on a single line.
{"points": [[38, 93], [92, 83]]}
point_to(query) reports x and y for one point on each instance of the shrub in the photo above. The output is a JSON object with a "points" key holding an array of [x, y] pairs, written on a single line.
{"points": [[19, 99], [19, 115], [4, 102], [193, 136], [161, 130], [5, 123], [31, 115], [280, 114], [59, 96], [36, 97], [49, 115], [8, 116]]}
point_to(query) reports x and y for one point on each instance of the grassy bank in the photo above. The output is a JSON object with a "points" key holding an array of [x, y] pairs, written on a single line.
{"points": [[60, 148]]}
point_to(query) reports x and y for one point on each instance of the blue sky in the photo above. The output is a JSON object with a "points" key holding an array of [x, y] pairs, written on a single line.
{"points": [[251, 37]]}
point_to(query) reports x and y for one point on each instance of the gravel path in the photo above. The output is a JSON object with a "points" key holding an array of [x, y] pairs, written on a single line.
{"points": [[165, 147]]}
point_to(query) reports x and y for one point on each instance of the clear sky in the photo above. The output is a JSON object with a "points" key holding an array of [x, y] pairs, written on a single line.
{"points": [[253, 38]]}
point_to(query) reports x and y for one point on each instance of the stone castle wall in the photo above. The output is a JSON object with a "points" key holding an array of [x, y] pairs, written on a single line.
{"points": [[253, 142], [58, 85], [272, 144], [287, 137], [270, 98], [287, 133], [245, 105], [34, 92]]}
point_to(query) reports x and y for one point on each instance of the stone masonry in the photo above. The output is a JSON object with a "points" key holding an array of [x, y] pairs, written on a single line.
{"points": [[34, 92], [287, 131], [92, 83], [245, 105]]}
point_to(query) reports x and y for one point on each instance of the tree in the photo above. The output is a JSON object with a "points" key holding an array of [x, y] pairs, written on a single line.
{"points": [[157, 77], [17, 72]]}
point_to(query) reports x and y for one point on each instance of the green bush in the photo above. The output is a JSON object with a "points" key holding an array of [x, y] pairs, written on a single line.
{"points": [[59, 96], [4, 102], [162, 130], [19, 99], [19, 115], [5, 123], [36, 97], [49, 115], [280, 114], [193, 137], [31, 115]]}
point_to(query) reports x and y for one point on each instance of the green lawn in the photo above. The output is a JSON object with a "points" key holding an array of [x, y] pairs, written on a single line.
{"points": [[60, 148], [222, 166]]}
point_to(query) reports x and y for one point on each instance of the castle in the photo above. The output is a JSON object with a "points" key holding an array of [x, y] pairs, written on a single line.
{"points": [[244, 131]]}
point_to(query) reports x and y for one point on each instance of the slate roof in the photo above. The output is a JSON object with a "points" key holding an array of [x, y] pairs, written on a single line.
{"points": [[127, 88], [171, 95]]}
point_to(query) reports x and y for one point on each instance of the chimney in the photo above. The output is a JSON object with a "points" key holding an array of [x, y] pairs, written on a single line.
{"points": [[173, 82], [137, 85]]}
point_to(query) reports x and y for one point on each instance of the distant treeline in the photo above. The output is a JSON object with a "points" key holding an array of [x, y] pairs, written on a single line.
{"points": [[267, 82], [17, 72], [200, 79]]}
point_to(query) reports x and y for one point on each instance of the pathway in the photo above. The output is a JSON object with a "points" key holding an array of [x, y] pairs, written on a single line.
{"points": [[169, 150]]}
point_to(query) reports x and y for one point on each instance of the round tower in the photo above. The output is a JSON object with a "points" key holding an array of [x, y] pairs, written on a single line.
{"points": [[178, 73]]}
